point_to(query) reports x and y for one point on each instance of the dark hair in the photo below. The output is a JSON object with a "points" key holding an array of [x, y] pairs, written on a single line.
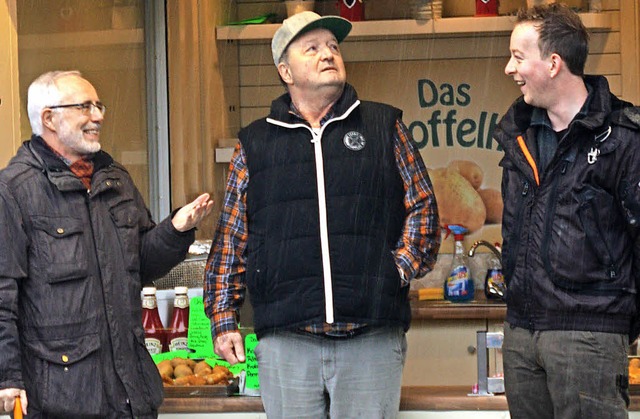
{"points": [[561, 31]]}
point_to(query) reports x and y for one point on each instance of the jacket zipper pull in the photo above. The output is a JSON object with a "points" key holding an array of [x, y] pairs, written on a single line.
{"points": [[612, 272], [525, 189]]}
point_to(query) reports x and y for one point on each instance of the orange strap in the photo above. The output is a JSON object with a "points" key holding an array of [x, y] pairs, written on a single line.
{"points": [[529, 158]]}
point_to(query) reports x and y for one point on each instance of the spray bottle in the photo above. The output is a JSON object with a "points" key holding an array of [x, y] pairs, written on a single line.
{"points": [[458, 286]]}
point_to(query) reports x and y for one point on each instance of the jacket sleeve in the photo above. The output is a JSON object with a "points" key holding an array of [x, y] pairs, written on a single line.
{"points": [[630, 200], [13, 269]]}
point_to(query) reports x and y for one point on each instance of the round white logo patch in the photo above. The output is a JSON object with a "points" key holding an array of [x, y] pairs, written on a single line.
{"points": [[353, 140]]}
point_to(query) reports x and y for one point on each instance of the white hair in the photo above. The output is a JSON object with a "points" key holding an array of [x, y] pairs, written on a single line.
{"points": [[44, 92]]}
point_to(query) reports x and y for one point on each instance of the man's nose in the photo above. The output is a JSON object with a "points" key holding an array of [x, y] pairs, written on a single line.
{"points": [[509, 69], [326, 53]]}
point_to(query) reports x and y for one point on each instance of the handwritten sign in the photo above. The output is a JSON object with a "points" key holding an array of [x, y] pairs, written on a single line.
{"points": [[250, 343], [199, 336]]}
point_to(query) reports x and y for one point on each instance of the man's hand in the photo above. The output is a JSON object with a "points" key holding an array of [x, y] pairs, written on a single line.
{"points": [[8, 399], [191, 214], [230, 347]]}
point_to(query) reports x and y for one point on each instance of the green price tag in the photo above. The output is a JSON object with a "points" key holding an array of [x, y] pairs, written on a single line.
{"points": [[250, 343], [199, 335]]}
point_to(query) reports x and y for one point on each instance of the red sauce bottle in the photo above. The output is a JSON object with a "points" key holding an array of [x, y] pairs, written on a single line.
{"points": [[154, 334], [177, 335]]}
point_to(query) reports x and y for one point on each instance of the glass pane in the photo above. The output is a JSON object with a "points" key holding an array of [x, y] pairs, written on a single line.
{"points": [[103, 39]]}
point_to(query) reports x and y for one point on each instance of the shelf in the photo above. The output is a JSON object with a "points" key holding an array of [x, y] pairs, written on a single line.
{"points": [[82, 39], [388, 28]]}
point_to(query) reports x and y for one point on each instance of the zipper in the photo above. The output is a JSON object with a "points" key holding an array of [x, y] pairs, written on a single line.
{"points": [[316, 140]]}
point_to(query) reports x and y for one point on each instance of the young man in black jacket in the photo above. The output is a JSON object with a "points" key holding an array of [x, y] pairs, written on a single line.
{"points": [[76, 244], [571, 252]]}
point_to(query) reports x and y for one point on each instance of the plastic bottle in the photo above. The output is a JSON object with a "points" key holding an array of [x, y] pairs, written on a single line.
{"points": [[154, 334], [178, 329], [494, 285], [458, 286]]}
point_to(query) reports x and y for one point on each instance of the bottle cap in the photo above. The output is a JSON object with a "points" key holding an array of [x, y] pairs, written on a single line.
{"points": [[149, 291], [181, 290]]}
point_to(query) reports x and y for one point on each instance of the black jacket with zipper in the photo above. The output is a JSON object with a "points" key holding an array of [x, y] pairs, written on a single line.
{"points": [[72, 262], [571, 255]]}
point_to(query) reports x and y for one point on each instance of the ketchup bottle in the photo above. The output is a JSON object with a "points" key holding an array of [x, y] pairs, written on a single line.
{"points": [[177, 336], [154, 334]]}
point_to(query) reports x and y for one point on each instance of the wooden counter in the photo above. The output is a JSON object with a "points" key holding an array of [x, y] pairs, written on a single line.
{"points": [[480, 308], [414, 398]]}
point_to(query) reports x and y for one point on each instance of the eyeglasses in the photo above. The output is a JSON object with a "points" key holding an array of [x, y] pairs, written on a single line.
{"points": [[85, 107]]}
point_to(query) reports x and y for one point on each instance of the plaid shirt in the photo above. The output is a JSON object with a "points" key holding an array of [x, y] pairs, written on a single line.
{"points": [[415, 254]]}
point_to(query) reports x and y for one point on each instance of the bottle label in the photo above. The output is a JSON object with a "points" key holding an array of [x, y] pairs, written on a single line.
{"points": [[178, 344], [154, 346], [458, 282], [149, 302], [181, 301]]}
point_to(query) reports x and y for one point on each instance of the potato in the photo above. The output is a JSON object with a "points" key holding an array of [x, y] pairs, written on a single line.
{"points": [[202, 368], [182, 370], [470, 171], [458, 201], [492, 199], [165, 369], [164, 363], [178, 361]]}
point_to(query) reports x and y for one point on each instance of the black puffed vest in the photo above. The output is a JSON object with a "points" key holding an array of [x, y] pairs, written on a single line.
{"points": [[365, 215]]}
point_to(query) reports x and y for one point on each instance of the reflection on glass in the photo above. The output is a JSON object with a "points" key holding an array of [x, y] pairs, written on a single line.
{"points": [[103, 39]]}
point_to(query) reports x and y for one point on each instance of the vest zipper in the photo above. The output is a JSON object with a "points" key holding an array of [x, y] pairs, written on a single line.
{"points": [[322, 203]]}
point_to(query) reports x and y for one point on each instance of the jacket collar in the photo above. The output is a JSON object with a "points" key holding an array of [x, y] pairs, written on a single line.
{"points": [[51, 162], [282, 106]]}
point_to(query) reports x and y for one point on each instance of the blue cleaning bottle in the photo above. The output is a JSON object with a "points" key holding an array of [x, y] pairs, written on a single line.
{"points": [[458, 286]]}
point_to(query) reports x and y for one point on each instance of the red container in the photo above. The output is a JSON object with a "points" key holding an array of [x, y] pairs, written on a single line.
{"points": [[352, 10], [486, 7], [179, 327]]}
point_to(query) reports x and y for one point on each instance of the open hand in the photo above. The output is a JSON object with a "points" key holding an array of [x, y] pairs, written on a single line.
{"points": [[191, 214]]}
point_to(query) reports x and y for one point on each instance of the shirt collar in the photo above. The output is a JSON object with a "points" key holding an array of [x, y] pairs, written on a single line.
{"points": [[539, 116], [294, 111]]}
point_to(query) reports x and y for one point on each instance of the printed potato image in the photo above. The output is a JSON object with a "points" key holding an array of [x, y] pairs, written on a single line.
{"points": [[470, 171], [492, 199], [458, 201]]}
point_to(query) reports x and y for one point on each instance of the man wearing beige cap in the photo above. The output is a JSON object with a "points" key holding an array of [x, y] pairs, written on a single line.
{"points": [[329, 213]]}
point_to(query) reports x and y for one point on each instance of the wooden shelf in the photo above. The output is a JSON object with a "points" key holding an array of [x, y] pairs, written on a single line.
{"points": [[392, 28], [82, 39]]}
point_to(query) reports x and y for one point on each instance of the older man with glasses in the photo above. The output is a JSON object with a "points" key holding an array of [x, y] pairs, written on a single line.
{"points": [[76, 244]]}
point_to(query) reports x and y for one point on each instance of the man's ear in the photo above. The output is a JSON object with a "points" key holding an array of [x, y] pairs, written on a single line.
{"points": [[285, 73], [555, 64], [47, 119]]}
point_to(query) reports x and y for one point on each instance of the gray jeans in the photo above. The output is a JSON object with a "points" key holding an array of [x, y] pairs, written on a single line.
{"points": [[565, 374], [308, 376]]}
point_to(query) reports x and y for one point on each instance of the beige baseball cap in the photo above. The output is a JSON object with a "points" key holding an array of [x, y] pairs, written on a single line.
{"points": [[304, 22]]}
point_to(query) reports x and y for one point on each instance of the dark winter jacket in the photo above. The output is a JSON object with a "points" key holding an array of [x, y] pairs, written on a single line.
{"points": [[571, 249], [364, 215], [72, 262]]}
